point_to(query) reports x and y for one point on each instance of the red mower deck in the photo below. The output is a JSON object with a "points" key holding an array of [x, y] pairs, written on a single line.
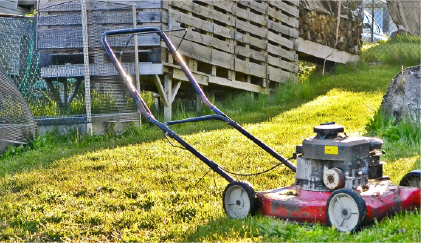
{"points": [[292, 203]]}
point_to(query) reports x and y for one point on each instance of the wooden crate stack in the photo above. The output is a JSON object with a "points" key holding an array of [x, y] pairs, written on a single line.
{"points": [[230, 45], [246, 45]]}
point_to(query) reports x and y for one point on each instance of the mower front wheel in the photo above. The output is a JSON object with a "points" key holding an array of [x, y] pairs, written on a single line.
{"points": [[239, 200], [346, 210], [412, 179]]}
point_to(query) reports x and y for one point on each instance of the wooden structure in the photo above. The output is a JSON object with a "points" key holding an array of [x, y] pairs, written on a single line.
{"points": [[319, 28], [230, 45], [16, 7]]}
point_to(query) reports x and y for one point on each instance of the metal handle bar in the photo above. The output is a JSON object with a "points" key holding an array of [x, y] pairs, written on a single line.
{"points": [[143, 108], [141, 104]]}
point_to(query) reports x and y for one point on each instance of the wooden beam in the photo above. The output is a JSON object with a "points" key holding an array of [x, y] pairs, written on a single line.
{"points": [[74, 91], [175, 90], [161, 90], [322, 51], [86, 68], [168, 92], [54, 92], [107, 69], [136, 58]]}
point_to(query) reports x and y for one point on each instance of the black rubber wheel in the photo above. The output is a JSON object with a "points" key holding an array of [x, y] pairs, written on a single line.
{"points": [[239, 200], [346, 210], [412, 179]]}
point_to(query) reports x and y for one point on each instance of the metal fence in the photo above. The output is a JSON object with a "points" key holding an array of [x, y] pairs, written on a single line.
{"points": [[44, 57], [19, 57], [391, 31], [19, 76]]}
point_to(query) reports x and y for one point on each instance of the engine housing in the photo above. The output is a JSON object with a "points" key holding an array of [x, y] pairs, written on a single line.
{"points": [[330, 160]]}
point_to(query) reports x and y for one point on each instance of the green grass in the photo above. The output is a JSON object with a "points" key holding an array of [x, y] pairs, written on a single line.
{"points": [[139, 188], [403, 50]]}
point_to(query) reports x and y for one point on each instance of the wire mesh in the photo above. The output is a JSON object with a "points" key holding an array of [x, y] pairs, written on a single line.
{"points": [[391, 31], [16, 122], [19, 79], [108, 92], [60, 39]]}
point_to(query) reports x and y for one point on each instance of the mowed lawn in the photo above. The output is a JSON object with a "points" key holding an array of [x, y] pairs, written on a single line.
{"points": [[151, 191]]}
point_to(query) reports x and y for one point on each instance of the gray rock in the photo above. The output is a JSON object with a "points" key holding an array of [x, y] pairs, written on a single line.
{"points": [[403, 95]]}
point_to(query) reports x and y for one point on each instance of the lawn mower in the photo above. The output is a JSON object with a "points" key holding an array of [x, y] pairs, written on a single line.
{"points": [[339, 179]]}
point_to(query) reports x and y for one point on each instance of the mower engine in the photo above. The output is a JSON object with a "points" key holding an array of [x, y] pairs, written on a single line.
{"points": [[331, 161]]}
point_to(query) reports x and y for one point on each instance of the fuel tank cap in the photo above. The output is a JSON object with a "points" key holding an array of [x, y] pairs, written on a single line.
{"points": [[325, 130]]}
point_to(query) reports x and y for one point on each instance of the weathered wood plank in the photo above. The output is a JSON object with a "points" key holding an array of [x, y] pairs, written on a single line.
{"points": [[69, 37], [278, 75], [9, 4], [286, 30], [256, 6], [291, 21], [192, 36], [63, 6], [225, 5], [107, 17], [243, 13], [250, 68], [226, 46], [255, 30], [68, 19], [77, 70], [281, 40], [278, 62], [322, 51], [134, 116], [194, 50], [260, 43], [222, 59], [206, 40], [200, 24], [293, 2], [284, 7], [206, 12], [279, 51], [235, 84], [179, 75], [247, 52]]}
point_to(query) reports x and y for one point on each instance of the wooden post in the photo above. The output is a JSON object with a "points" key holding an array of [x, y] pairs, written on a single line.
{"points": [[372, 21], [86, 68], [136, 59], [198, 103], [156, 100], [168, 94]]}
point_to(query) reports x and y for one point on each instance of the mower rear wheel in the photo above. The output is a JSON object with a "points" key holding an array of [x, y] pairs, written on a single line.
{"points": [[412, 179], [239, 200], [346, 210]]}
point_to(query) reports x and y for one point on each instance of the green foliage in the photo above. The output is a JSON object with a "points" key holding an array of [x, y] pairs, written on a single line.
{"points": [[402, 139], [102, 102]]}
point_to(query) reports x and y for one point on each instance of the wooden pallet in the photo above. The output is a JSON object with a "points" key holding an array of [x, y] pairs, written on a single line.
{"points": [[246, 41]]}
